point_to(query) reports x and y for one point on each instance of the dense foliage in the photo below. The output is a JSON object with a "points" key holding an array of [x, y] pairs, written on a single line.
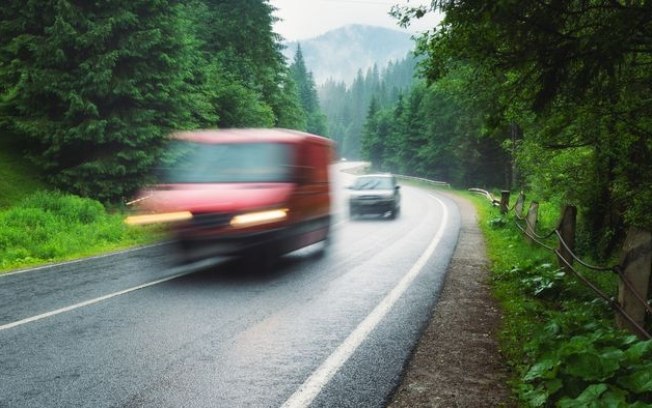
{"points": [[314, 118], [557, 334], [17, 178], [434, 132], [566, 90], [49, 226], [89, 90], [346, 106]]}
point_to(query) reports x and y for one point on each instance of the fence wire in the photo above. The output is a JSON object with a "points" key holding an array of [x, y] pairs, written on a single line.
{"points": [[529, 231]]}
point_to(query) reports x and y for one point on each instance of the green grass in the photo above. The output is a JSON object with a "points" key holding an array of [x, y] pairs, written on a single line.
{"points": [[557, 335], [17, 179], [39, 226], [508, 254], [47, 227]]}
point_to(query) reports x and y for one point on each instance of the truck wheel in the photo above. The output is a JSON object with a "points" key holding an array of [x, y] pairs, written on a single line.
{"points": [[260, 261], [182, 252]]}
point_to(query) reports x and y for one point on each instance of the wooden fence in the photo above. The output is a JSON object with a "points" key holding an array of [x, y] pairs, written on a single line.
{"points": [[632, 303]]}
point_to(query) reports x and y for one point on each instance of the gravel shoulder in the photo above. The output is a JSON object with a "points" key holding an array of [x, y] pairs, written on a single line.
{"points": [[457, 362]]}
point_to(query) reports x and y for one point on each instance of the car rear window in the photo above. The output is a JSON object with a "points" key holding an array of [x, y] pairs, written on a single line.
{"points": [[373, 183], [191, 162]]}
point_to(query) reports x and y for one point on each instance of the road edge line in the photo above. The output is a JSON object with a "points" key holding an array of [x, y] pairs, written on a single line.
{"points": [[186, 270], [310, 388]]}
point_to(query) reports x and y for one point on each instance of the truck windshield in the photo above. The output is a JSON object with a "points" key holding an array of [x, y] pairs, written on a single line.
{"points": [[190, 162]]}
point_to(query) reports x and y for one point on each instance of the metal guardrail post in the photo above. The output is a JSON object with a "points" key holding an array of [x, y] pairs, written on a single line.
{"points": [[567, 234], [635, 264]]}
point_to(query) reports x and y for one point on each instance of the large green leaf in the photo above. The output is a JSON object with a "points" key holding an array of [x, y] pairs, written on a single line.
{"points": [[638, 382], [589, 398], [638, 350], [591, 366], [543, 369]]}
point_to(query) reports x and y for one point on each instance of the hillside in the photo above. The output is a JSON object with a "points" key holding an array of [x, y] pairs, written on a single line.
{"points": [[340, 53], [17, 178]]}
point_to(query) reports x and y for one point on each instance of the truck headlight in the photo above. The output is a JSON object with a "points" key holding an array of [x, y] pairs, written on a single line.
{"points": [[158, 218], [259, 218]]}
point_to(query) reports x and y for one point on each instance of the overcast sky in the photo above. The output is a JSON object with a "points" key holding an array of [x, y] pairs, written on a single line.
{"points": [[302, 19]]}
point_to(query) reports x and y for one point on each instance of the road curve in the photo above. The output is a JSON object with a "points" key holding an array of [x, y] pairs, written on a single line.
{"points": [[129, 330]]}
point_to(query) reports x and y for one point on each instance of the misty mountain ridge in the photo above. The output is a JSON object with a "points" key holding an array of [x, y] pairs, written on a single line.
{"points": [[339, 54]]}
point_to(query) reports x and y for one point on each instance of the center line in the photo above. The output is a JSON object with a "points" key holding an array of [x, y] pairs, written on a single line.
{"points": [[184, 271], [309, 390]]}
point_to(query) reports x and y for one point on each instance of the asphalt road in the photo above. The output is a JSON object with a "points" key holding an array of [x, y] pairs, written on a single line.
{"points": [[132, 330]]}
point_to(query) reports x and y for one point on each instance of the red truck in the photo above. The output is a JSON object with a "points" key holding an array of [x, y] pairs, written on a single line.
{"points": [[246, 192]]}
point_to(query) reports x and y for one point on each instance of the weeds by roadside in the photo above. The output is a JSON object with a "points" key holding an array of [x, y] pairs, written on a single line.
{"points": [[49, 226], [560, 341]]}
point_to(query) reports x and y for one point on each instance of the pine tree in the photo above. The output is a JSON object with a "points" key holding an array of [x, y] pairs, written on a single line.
{"points": [[248, 73], [315, 120], [92, 88], [375, 135], [347, 108]]}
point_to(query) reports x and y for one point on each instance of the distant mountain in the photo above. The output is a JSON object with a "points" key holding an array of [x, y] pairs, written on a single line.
{"points": [[340, 53]]}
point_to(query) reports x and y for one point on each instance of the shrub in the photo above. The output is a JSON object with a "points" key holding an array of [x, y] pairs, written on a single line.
{"points": [[50, 226], [558, 336]]}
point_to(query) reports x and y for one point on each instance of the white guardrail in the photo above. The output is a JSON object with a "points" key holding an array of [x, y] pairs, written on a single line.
{"points": [[433, 182], [363, 167]]}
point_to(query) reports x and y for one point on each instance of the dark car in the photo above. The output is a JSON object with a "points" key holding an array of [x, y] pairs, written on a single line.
{"points": [[375, 194]]}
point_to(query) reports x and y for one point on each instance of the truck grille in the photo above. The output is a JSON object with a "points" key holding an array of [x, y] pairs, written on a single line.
{"points": [[210, 221]]}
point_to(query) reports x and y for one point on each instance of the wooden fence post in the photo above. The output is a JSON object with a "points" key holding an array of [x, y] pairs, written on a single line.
{"points": [[518, 207], [504, 201], [531, 221], [567, 232], [636, 262]]}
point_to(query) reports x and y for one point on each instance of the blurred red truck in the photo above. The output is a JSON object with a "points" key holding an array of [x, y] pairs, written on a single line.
{"points": [[253, 192]]}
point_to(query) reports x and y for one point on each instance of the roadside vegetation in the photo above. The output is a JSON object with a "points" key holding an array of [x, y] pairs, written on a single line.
{"points": [[558, 337], [546, 97], [40, 226], [17, 178], [550, 98], [90, 92], [45, 227]]}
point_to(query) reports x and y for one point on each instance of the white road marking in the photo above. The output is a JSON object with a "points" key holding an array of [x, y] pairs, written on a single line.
{"points": [[74, 261], [186, 270], [309, 390]]}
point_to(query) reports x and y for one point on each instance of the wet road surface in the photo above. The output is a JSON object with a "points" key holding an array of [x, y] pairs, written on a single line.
{"points": [[322, 330]]}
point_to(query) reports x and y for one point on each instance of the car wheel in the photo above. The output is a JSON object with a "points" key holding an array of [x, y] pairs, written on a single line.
{"points": [[395, 212]]}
